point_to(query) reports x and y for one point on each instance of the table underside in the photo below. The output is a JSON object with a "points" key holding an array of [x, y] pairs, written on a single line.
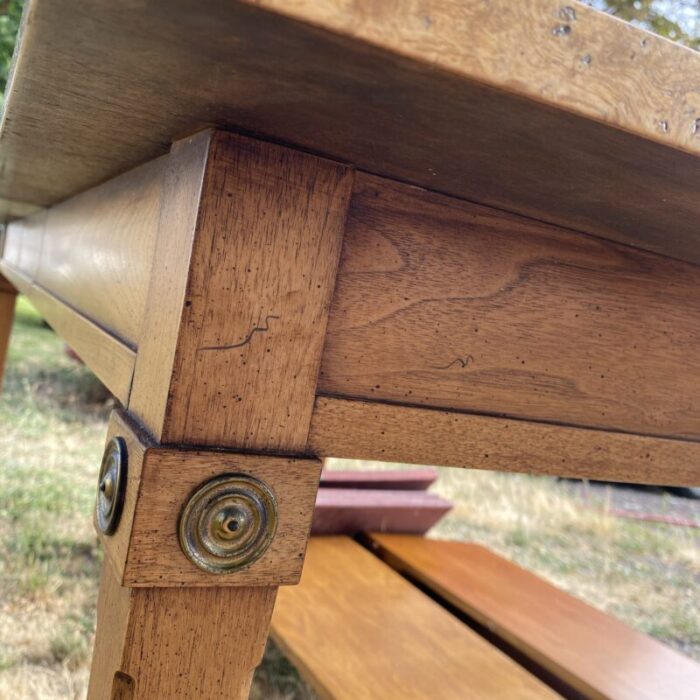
{"points": [[457, 334]]}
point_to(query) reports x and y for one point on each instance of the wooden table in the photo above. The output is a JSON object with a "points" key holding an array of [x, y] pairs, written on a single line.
{"points": [[457, 233]]}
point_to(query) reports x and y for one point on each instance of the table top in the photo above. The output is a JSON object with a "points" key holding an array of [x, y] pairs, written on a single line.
{"points": [[549, 109]]}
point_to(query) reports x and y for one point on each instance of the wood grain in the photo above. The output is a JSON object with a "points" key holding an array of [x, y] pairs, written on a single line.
{"points": [[353, 511], [169, 477], [398, 479], [569, 116], [397, 643], [177, 644], [375, 431], [248, 243], [23, 242], [110, 360], [450, 304], [98, 249], [7, 309], [485, 44], [180, 203], [594, 653], [94, 251], [259, 277], [145, 549]]}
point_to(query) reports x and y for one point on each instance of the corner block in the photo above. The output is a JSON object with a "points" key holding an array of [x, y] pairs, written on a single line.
{"points": [[184, 523]]}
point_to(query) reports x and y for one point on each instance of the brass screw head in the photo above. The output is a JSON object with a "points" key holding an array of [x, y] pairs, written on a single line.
{"points": [[228, 523], [111, 486]]}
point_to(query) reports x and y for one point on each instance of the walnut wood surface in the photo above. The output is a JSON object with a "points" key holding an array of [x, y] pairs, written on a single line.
{"points": [[450, 304], [356, 629], [111, 361], [351, 511], [170, 476], [94, 251], [554, 110], [594, 653], [259, 265], [145, 549], [180, 200], [246, 252], [177, 644], [384, 432], [97, 249]]}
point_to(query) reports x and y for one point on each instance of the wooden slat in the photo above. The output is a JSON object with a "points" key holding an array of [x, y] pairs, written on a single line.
{"points": [[594, 653], [352, 511], [145, 550], [23, 241], [242, 291], [445, 303], [181, 196], [111, 361], [393, 433], [557, 111], [247, 230], [356, 629], [396, 479]]}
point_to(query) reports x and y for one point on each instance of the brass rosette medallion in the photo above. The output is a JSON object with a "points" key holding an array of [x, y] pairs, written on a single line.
{"points": [[111, 486], [228, 523]]}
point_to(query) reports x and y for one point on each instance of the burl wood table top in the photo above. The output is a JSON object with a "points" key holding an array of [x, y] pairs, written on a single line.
{"points": [[546, 108]]}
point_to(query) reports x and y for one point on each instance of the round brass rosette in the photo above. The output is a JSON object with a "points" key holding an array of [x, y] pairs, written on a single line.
{"points": [[228, 523], [111, 486]]}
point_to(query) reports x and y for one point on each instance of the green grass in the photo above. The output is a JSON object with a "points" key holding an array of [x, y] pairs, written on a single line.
{"points": [[53, 415]]}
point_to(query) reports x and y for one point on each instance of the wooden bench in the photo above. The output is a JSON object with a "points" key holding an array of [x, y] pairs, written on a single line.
{"points": [[357, 628]]}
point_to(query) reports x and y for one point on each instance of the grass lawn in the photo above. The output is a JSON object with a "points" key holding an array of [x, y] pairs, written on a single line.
{"points": [[53, 415]]}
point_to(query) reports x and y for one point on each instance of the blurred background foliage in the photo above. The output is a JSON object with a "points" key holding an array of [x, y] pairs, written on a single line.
{"points": [[678, 20], [10, 14]]}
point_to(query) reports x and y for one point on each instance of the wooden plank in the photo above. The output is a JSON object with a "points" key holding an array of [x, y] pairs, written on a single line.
{"points": [[395, 479], [352, 511], [262, 262], [94, 251], [23, 242], [110, 360], [162, 641], [450, 304], [594, 653], [391, 433], [356, 629], [556, 111], [98, 250]]}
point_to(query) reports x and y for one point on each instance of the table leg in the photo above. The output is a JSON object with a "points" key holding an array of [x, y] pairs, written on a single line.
{"points": [[177, 643], [246, 255], [8, 296]]}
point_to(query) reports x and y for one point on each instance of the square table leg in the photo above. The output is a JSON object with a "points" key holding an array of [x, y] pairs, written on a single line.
{"points": [[224, 383], [8, 296]]}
